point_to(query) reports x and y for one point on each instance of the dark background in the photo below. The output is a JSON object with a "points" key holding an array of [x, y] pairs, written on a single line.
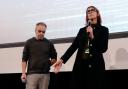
{"points": [[115, 79]]}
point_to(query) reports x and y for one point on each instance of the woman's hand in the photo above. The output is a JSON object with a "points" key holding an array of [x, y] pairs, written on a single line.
{"points": [[57, 65], [90, 31]]}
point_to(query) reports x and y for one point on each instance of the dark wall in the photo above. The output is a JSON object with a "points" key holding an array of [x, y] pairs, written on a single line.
{"points": [[11, 81], [115, 79]]}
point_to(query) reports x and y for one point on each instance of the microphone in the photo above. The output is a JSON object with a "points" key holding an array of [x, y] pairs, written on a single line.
{"points": [[90, 35], [89, 23]]}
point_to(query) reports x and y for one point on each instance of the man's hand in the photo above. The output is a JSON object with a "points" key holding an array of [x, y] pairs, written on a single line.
{"points": [[53, 61], [23, 77]]}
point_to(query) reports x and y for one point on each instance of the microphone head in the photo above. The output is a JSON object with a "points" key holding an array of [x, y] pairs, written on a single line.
{"points": [[89, 22]]}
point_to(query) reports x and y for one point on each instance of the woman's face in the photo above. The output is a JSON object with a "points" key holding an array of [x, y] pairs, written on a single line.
{"points": [[92, 13]]}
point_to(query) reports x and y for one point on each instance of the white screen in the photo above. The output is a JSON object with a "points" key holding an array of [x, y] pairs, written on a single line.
{"points": [[63, 17], [116, 57]]}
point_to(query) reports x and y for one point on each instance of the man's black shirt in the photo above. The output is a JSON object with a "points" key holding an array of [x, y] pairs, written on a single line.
{"points": [[38, 54]]}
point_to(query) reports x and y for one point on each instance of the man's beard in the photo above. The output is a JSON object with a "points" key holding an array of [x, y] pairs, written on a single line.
{"points": [[40, 37]]}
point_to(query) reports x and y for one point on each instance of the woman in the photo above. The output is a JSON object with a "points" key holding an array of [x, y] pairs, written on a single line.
{"points": [[91, 42]]}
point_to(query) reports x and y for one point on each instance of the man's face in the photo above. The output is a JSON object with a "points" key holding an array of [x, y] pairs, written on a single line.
{"points": [[40, 31]]}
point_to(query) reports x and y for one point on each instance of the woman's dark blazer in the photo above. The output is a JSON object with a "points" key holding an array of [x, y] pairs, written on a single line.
{"points": [[95, 63]]}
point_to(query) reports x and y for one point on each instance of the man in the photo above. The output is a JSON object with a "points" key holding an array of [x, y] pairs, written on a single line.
{"points": [[38, 55]]}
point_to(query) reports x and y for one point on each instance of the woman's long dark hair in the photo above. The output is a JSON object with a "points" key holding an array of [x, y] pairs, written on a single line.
{"points": [[99, 21]]}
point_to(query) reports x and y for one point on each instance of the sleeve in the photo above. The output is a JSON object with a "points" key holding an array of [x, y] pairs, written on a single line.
{"points": [[73, 47], [25, 54], [53, 53], [100, 41]]}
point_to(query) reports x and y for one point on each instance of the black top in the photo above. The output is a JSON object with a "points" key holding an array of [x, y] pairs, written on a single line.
{"points": [[38, 54], [97, 46]]}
